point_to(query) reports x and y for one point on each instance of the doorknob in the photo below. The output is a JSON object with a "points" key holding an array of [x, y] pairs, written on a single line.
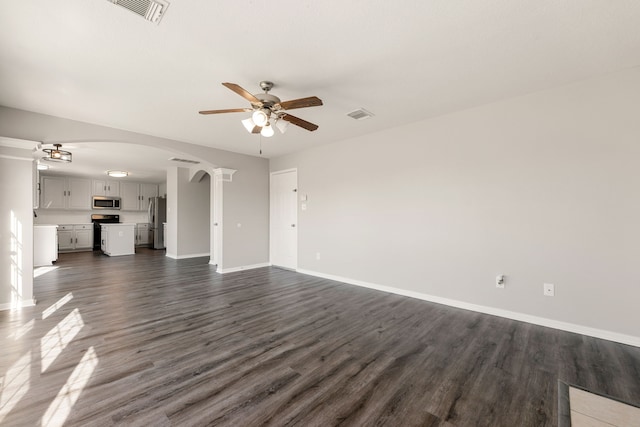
{"points": [[215, 224], [293, 225]]}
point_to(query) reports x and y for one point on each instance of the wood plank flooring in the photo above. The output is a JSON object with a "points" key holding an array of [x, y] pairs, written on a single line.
{"points": [[150, 341]]}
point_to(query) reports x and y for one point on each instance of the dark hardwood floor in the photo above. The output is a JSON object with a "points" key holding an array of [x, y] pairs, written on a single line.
{"points": [[150, 341]]}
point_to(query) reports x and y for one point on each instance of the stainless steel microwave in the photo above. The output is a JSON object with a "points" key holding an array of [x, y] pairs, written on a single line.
{"points": [[102, 202]]}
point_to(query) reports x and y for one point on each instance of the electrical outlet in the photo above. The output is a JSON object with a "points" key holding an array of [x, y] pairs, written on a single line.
{"points": [[549, 290], [500, 281]]}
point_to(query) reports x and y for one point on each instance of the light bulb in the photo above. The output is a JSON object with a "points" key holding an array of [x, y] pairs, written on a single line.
{"points": [[267, 131], [260, 118]]}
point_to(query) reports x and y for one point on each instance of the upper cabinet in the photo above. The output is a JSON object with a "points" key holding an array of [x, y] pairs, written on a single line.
{"points": [[135, 196], [103, 187], [147, 191], [65, 193], [61, 192]]}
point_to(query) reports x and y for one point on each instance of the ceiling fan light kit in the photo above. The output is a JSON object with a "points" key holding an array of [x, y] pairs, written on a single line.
{"points": [[267, 110]]}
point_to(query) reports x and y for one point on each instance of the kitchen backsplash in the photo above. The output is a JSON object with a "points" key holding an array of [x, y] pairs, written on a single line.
{"points": [[84, 217]]}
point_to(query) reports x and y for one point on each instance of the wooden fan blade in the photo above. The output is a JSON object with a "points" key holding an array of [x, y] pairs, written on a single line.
{"points": [[243, 93], [299, 122], [256, 129], [229, 110], [312, 101]]}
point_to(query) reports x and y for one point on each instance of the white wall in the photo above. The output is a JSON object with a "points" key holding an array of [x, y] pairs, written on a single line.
{"points": [[16, 228], [171, 238], [541, 188]]}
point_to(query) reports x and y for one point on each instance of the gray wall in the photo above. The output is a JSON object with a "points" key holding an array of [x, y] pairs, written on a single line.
{"points": [[246, 201], [543, 188], [193, 217], [16, 227]]}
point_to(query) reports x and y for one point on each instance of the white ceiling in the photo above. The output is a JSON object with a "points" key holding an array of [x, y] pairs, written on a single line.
{"points": [[143, 163], [404, 61]]}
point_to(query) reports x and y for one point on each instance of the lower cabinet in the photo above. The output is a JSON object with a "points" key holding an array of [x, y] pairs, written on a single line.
{"points": [[75, 237], [142, 234]]}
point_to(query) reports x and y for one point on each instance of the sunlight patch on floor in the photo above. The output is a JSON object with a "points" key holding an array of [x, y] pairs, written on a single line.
{"points": [[52, 344], [61, 406], [22, 330], [15, 384], [37, 272], [52, 309]]}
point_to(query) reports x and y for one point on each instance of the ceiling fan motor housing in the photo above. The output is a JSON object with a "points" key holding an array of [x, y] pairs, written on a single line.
{"points": [[268, 101]]}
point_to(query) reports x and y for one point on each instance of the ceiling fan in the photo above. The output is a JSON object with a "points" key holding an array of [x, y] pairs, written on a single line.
{"points": [[267, 110]]}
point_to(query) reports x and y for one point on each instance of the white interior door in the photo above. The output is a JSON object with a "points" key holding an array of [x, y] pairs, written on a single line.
{"points": [[284, 219]]}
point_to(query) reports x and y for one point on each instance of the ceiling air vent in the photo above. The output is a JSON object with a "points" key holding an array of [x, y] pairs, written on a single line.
{"points": [[360, 114], [151, 10], [175, 159]]}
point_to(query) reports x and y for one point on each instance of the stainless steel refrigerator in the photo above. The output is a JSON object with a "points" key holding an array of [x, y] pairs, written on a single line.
{"points": [[157, 217]]}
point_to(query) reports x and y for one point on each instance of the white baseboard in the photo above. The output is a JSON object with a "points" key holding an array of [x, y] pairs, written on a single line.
{"points": [[550, 323], [187, 256], [23, 303], [243, 267]]}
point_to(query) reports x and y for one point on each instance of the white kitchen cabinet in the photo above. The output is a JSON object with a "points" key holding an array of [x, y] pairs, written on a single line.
{"points": [[45, 247], [147, 191], [117, 239], [102, 187], [75, 237], [53, 192], [129, 196], [65, 238], [135, 196], [83, 236], [65, 193], [142, 234]]}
